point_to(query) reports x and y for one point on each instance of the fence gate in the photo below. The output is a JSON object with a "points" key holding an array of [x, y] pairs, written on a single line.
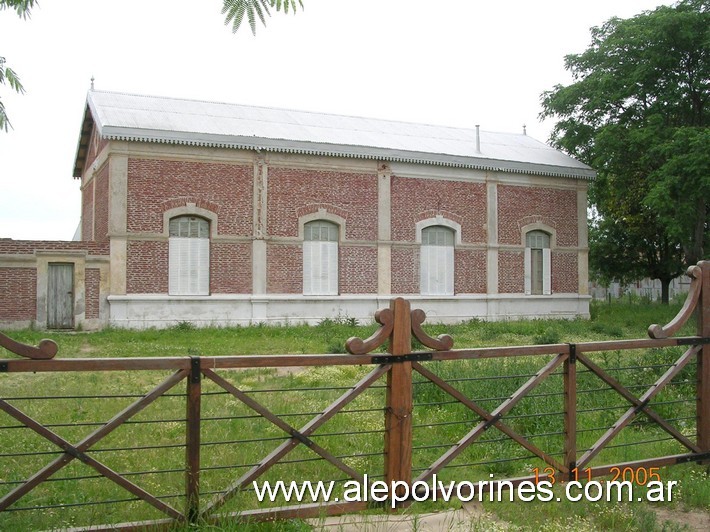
{"points": [[194, 485], [60, 295]]}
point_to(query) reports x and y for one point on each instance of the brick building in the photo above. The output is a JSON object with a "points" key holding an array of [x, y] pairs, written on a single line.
{"points": [[227, 214]]}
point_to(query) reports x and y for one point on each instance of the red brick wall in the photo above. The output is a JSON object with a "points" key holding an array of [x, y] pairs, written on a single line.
{"points": [[230, 268], [95, 226], [147, 267], [28, 247], [101, 208], [349, 195], [18, 287], [155, 186], [520, 206], [470, 271], [358, 270], [147, 271], [564, 272], [414, 200], [92, 286], [405, 270], [87, 213], [511, 272], [284, 272]]}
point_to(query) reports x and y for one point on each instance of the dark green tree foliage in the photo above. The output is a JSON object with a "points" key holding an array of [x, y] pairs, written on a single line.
{"points": [[637, 111]]}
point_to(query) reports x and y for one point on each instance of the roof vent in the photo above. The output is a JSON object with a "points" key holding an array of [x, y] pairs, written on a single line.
{"points": [[478, 138]]}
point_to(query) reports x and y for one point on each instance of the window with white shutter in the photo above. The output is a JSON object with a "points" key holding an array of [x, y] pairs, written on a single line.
{"points": [[437, 261], [189, 256], [537, 263], [320, 258]]}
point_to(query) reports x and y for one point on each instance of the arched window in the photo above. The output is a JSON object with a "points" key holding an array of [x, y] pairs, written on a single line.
{"points": [[189, 256], [537, 263], [437, 261], [320, 258]]}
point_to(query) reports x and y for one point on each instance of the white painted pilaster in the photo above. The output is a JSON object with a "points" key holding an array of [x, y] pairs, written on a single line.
{"points": [[492, 232], [118, 222], [258, 249], [384, 229]]}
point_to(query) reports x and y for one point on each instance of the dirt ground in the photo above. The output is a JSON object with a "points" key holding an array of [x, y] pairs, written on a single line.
{"points": [[472, 517]]}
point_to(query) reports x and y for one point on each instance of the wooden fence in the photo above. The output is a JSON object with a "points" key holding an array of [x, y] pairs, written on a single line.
{"points": [[402, 370]]}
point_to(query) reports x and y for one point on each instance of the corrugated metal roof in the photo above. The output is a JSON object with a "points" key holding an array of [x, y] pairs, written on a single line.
{"points": [[133, 117]]}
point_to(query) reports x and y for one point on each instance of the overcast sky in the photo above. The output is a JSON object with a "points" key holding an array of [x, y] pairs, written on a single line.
{"points": [[448, 62]]}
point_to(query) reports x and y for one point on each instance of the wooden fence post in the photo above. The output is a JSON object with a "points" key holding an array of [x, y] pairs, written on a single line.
{"points": [[192, 441], [570, 410], [398, 411], [703, 382]]}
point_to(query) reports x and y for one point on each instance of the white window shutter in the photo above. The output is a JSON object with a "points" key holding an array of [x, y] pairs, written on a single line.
{"points": [[424, 270], [546, 273], [201, 276], [430, 267], [449, 271], [436, 270], [323, 267], [192, 260], [320, 268], [174, 255], [189, 266], [331, 274], [528, 271], [308, 251], [439, 277], [436, 262]]}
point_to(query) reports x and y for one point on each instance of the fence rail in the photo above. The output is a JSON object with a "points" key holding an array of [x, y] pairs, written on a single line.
{"points": [[563, 375]]}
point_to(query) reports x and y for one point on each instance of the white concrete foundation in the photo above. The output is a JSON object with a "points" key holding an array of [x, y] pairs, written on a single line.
{"points": [[147, 310]]}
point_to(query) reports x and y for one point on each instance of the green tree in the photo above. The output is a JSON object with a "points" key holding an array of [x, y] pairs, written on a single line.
{"points": [[234, 11], [637, 112], [7, 75]]}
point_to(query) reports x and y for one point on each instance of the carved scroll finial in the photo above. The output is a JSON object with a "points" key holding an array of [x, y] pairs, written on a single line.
{"points": [[657, 331], [385, 317], [46, 349], [358, 346], [443, 342]]}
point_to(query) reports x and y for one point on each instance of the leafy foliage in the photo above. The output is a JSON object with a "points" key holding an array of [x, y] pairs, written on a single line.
{"points": [[236, 9], [21, 7], [637, 112], [7, 75]]}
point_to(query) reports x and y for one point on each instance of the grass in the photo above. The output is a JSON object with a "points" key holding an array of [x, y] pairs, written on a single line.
{"points": [[150, 449], [608, 321]]}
